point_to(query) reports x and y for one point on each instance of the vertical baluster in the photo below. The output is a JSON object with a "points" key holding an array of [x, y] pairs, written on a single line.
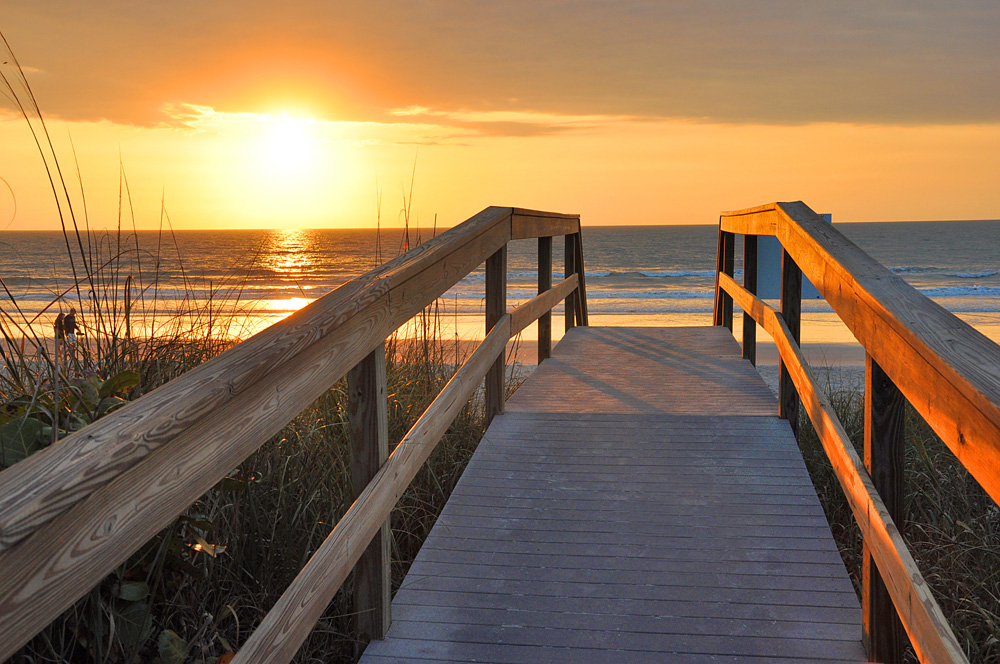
{"points": [[882, 630], [582, 316], [750, 283], [496, 306], [544, 284], [571, 305], [791, 311], [369, 429], [724, 264]]}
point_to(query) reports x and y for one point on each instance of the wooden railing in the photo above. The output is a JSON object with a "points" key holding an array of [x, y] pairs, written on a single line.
{"points": [[915, 350], [73, 512]]}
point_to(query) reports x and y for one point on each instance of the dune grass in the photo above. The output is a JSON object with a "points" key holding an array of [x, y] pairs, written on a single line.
{"points": [[951, 525], [204, 583], [198, 589]]}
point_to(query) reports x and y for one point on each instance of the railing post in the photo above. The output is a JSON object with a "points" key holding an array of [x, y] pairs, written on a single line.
{"points": [[582, 317], [369, 429], [791, 311], [724, 263], [496, 306], [544, 283], [882, 630], [750, 283], [570, 269]]}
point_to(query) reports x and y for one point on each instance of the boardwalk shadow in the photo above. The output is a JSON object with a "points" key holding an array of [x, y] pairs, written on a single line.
{"points": [[644, 370]]}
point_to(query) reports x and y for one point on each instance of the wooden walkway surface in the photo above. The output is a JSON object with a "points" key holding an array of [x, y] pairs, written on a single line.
{"points": [[607, 518]]}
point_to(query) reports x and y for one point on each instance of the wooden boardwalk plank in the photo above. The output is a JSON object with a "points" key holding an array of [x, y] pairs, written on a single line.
{"points": [[606, 518], [646, 370], [691, 608]]}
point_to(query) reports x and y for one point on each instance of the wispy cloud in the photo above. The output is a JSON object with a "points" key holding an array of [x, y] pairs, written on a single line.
{"points": [[205, 119], [511, 123], [572, 65]]}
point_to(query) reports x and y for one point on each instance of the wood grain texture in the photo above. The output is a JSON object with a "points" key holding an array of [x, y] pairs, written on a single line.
{"points": [[929, 632], [615, 534], [884, 445], [946, 369], [71, 513], [526, 224], [55, 565], [291, 619], [48, 483], [544, 284], [758, 220], [537, 307], [368, 421]]}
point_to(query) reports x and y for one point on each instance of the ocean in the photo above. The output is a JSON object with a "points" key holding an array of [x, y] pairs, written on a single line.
{"points": [[648, 275]]}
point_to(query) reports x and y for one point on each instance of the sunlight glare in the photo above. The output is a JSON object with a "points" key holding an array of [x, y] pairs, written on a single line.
{"points": [[289, 304], [288, 149]]}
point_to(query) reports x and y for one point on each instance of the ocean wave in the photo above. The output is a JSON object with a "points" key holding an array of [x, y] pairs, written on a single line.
{"points": [[962, 291], [906, 269], [977, 274]]}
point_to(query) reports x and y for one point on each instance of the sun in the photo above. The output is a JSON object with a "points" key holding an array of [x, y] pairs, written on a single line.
{"points": [[287, 148]]}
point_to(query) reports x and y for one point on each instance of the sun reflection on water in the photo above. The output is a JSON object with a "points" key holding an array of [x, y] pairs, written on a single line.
{"points": [[290, 256], [290, 259], [288, 304]]}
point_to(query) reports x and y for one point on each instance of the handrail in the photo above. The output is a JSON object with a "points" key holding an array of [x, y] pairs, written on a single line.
{"points": [[931, 634], [948, 371], [74, 511], [290, 620], [946, 368]]}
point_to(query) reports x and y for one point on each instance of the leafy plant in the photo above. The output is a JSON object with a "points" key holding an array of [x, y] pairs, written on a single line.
{"points": [[27, 420]]}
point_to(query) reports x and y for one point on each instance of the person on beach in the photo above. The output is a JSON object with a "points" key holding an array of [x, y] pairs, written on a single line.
{"points": [[60, 327], [69, 325]]}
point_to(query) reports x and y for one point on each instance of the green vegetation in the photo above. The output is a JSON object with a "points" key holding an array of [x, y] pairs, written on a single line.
{"points": [[197, 590], [952, 526]]}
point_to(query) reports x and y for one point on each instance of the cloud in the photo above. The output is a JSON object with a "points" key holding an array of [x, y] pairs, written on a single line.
{"points": [[510, 123], [770, 61], [409, 131]]}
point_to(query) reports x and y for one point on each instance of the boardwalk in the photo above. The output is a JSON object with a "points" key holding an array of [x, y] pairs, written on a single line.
{"points": [[639, 502]]}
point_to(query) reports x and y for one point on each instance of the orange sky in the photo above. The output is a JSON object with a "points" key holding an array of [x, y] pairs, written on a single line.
{"points": [[246, 115]]}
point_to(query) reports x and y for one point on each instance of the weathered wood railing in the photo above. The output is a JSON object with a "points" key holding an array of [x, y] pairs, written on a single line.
{"points": [[73, 512], [915, 350]]}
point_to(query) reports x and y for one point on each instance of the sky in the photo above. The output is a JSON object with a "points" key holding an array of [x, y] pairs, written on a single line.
{"points": [[318, 114]]}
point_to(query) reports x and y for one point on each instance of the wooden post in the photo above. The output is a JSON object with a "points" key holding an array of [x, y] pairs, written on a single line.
{"points": [[724, 263], [367, 412], [582, 317], [750, 283], [496, 306], [544, 283], [570, 269], [791, 311], [882, 630]]}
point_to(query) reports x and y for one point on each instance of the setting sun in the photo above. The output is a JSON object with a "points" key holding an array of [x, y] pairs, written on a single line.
{"points": [[287, 149], [283, 251]]}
